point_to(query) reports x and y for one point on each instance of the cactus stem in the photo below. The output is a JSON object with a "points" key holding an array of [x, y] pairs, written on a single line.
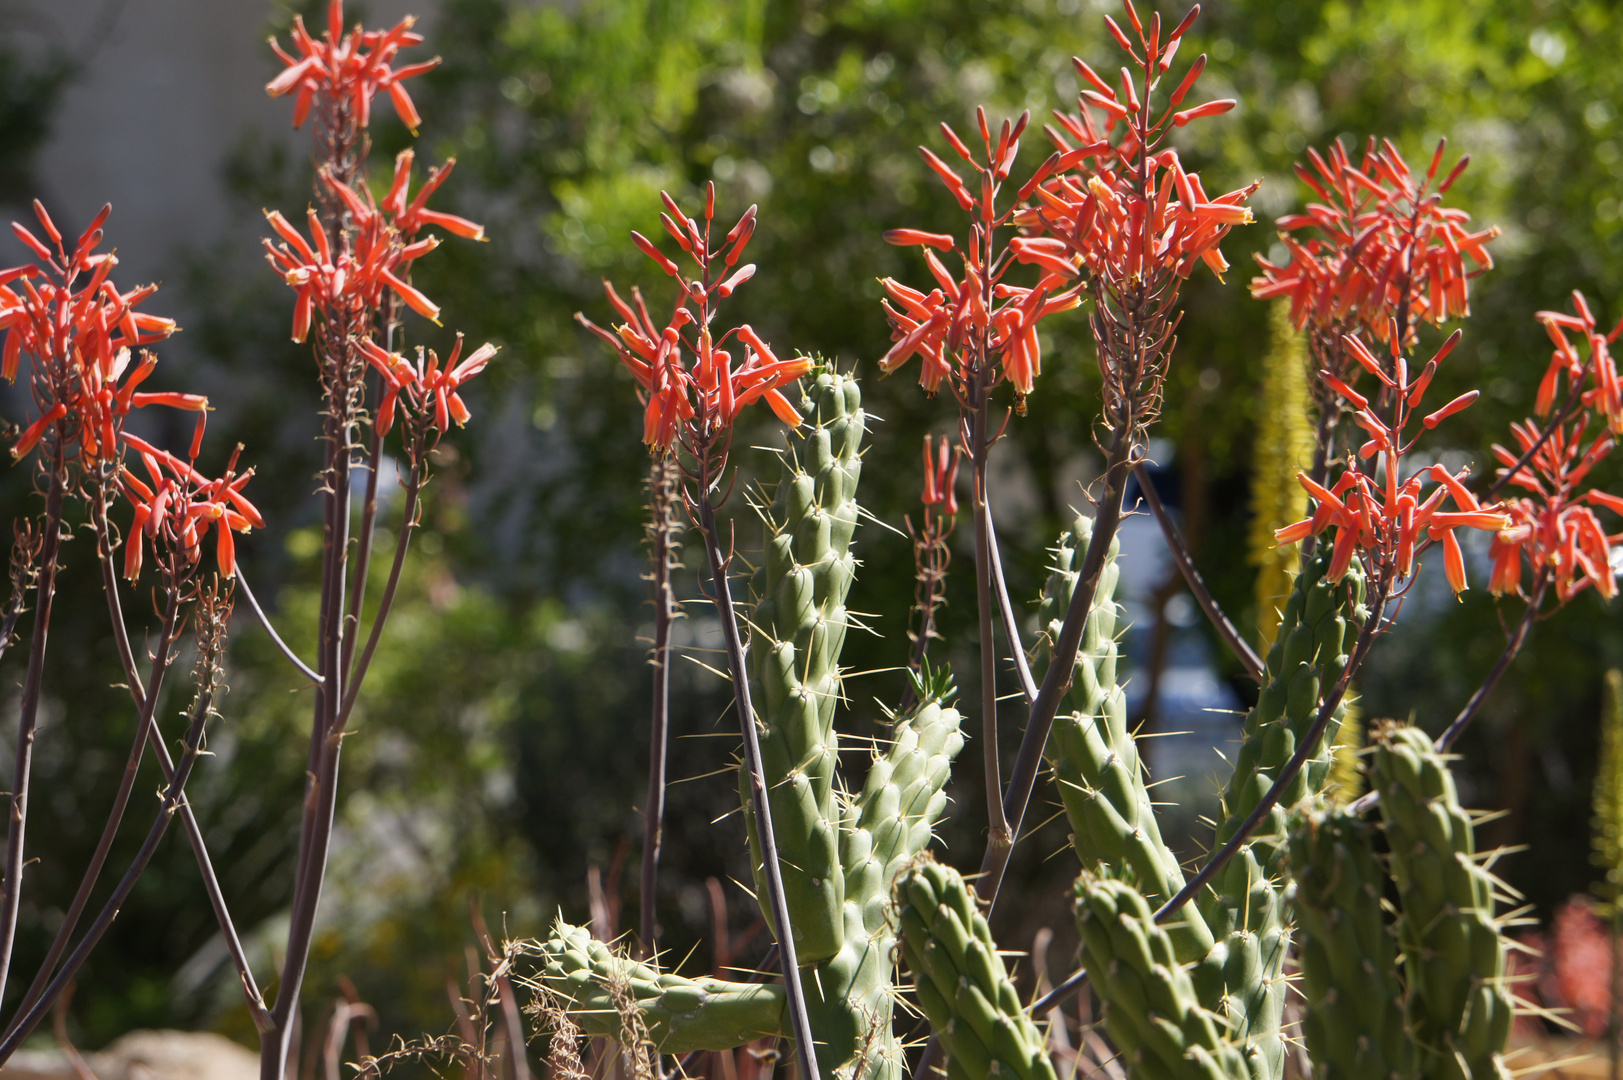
{"points": [[799, 1020]]}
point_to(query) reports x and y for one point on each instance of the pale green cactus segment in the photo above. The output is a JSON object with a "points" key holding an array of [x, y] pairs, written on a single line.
{"points": [[960, 980], [1243, 977], [1152, 1012], [680, 1015], [797, 630], [851, 997], [1459, 1007], [1353, 1014], [1093, 755]]}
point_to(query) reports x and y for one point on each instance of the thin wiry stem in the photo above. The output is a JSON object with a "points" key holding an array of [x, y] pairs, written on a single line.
{"points": [[276, 639], [173, 798], [1000, 838], [28, 714], [1287, 775], [799, 1020], [662, 528], [408, 525], [1011, 629], [1237, 644]]}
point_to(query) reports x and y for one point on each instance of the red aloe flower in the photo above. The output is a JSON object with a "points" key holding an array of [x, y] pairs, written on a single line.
{"points": [[182, 505], [691, 386], [979, 320], [78, 328], [349, 68], [941, 477], [1375, 513], [429, 389], [1604, 394], [1381, 246], [378, 257], [1554, 530]]}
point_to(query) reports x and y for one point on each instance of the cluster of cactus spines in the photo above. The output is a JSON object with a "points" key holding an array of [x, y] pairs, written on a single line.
{"points": [[1092, 753], [1459, 1008], [1244, 908], [960, 981], [797, 630], [680, 1014], [839, 855], [1152, 1011], [1354, 1023]]}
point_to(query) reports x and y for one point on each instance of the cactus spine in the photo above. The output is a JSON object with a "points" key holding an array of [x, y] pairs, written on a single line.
{"points": [[1453, 953], [960, 980]]}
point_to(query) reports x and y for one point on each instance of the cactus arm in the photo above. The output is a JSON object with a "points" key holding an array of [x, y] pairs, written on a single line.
{"points": [[961, 983], [1092, 754], [1454, 954], [797, 630], [851, 997], [1353, 1020], [1243, 975], [680, 1015], [1152, 1012]]}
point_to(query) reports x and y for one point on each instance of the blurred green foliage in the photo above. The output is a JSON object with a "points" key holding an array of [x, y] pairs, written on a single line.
{"points": [[501, 746]]}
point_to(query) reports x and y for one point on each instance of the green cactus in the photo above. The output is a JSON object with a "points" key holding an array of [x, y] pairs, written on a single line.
{"points": [[1354, 1024], [1243, 975], [839, 855], [1094, 757], [1152, 1012], [680, 1014], [1459, 1008], [960, 981]]}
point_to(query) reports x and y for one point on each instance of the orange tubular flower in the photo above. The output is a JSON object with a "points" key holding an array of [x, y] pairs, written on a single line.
{"points": [[348, 68], [1603, 394], [1380, 246], [430, 390], [78, 329], [977, 319], [696, 401], [182, 505], [1377, 515], [1554, 529]]}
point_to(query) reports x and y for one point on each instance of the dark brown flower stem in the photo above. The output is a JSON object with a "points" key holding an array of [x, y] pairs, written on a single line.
{"points": [[326, 743], [1309, 745], [662, 537], [799, 1021], [363, 554], [161, 657], [999, 836], [194, 834], [1057, 680], [28, 713], [173, 799], [408, 525], [1191, 576]]}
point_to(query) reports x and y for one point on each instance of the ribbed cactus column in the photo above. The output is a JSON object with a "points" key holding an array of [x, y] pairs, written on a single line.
{"points": [[1152, 1012], [679, 1014], [1453, 954], [1094, 757], [1243, 977], [797, 630], [1353, 1017], [960, 980]]}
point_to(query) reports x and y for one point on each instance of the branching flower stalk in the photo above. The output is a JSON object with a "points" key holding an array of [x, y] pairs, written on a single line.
{"points": [[664, 544]]}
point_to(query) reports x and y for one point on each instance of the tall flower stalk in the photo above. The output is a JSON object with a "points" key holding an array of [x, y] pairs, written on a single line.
{"points": [[693, 395]]}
